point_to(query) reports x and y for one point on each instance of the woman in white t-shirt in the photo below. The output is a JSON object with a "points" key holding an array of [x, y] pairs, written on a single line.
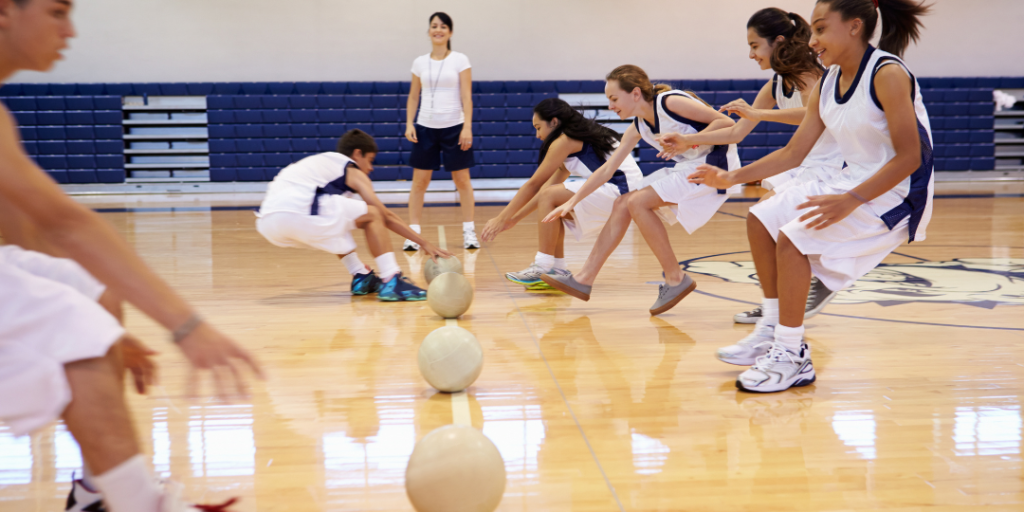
{"points": [[443, 127]]}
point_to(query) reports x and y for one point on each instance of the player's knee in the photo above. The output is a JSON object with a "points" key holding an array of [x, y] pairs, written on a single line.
{"points": [[374, 213], [635, 202], [548, 195]]}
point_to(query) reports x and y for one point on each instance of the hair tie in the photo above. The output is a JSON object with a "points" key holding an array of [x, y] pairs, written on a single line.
{"points": [[875, 2]]}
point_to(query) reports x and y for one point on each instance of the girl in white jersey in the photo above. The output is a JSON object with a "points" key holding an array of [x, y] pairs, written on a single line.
{"points": [[656, 110], [871, 103], [778, 41], [573, 146], [443, 127]]}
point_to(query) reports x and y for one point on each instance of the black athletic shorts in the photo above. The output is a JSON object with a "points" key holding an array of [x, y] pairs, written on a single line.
{"points": [[435, 142]]}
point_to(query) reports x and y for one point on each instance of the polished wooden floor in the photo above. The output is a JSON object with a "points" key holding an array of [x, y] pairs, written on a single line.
{"points": [[594, 406]]}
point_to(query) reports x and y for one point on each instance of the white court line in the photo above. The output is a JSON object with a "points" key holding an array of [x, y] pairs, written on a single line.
{"points": [[460, 401]]}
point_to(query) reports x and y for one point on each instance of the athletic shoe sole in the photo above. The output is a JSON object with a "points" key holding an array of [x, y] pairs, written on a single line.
{"points": [[568, 290], [413, 299], [539, 285], [671, 304], [737, 361], [521, 282], [804, 380]]}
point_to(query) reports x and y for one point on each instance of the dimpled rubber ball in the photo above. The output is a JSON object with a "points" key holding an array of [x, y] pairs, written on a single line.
{"points": [[450, 359], [443, 265], [455, 469], [450, 295]]}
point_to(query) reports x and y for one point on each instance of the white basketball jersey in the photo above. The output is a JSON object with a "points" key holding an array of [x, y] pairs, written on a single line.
{"points": [[826, 152], [297, 186], [584, 162], [666, 121], [858, 123]]}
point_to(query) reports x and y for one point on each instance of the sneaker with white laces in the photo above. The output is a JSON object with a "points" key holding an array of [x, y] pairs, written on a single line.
{"points": [[530, 278], [817, 298], [748, 317], [746, 351], [409, 245], [83, 499], [778, 370], [469, 240]]}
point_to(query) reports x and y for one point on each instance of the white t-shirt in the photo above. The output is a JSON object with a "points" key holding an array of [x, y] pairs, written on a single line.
{"points": [[441, 98], [294, 188]]}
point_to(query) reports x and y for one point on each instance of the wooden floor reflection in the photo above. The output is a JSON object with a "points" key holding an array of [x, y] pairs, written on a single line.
{"points": [[594, 406]]}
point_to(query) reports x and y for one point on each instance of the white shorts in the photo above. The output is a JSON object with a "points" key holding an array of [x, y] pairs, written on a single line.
{"points": [[592, 213], [329, 230], [799, 175], [694, 204], [841, 253], [45, 323]]}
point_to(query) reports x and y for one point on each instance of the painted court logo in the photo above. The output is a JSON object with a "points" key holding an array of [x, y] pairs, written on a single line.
{"points": [[980, 282]]}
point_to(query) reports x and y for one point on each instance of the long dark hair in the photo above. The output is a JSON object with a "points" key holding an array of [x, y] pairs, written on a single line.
{"points": [[901, 20], [575, 126], [447, 20], [792, 58]]}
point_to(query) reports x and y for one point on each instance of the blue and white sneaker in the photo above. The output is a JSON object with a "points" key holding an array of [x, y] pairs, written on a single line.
{"points": [[365, 284], [530, 278], [400, 288], [778, 370]]}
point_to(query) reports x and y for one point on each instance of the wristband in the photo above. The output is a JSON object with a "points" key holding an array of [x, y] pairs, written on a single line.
{"points": [[858, 197], [185, 329]]}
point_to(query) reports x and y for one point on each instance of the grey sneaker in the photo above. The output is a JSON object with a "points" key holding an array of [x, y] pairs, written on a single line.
{"points": [[567, 284], [669, 296], [748, 317], [817, 298], [746, 351]]}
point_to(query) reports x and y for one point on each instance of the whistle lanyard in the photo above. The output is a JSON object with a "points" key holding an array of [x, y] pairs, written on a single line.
{"points": [[433, 87]]}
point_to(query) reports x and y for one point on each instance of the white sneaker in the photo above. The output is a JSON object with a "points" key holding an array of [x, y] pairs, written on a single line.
{"points": [[83, 499], [746, 351], [410, 245], [171, 501], [469, 240], [778, 370]]}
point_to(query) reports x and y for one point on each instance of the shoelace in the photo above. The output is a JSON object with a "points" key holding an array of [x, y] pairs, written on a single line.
{"points": [[774, 355], [217, 508]]}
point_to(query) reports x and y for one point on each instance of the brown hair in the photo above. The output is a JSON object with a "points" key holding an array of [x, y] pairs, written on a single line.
{"points": [[631, 77], [901, 21], [792, 58], [356, 139]]}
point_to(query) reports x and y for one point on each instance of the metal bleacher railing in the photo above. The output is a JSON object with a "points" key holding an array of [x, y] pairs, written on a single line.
{"points": [[107, 133]]}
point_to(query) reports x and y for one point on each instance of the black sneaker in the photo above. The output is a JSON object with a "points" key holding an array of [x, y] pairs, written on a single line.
{"points": [[817, 298], [365, 284]]}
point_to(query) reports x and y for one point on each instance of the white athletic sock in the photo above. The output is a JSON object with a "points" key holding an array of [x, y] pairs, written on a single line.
{"points": [[415, 227], [129, 487], [789, 337], [545, 261], [354, 264], [469, 226], [388, 267], [770, 311], [560, 264]]}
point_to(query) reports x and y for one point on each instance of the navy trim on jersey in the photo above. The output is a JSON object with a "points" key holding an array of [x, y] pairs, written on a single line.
{"points": [[917, 199], [775, 83], [590, 158], [695, 124], [878, 66], [842, 99], [336, 187], [719, 157]]}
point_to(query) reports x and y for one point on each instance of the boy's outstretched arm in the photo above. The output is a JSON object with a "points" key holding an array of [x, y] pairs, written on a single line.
{"points": [[362, 184]]}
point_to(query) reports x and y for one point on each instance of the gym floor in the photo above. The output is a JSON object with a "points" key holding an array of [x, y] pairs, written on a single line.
{"points": [[593, 406]]}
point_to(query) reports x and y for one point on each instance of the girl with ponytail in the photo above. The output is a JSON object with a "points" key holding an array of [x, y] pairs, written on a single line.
{"points": [[573, 146], [667, 194], [777, 40], [840, 227]]}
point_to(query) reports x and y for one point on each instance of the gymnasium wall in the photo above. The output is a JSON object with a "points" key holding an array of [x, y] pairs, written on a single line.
{"points": [[345, 40]]}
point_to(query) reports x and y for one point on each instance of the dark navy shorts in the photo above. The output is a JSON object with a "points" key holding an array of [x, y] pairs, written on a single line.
{"points": [[435, 142]]}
